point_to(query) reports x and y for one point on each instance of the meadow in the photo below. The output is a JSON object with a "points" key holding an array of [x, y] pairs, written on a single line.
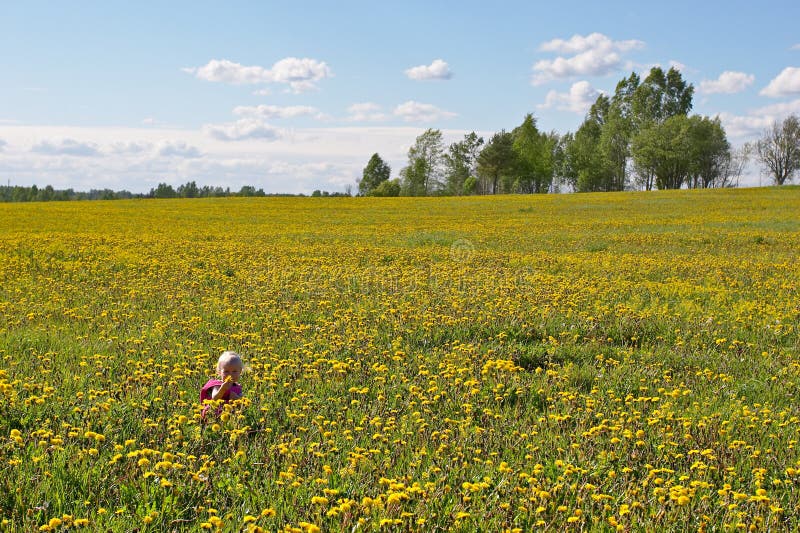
{"points": [[592, 362]]}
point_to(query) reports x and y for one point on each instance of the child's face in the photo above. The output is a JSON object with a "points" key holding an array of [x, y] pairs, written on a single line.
{"points": [[230, 369]]}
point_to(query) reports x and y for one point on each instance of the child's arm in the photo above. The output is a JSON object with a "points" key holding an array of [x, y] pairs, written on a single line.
{"points": [[219, 392]]}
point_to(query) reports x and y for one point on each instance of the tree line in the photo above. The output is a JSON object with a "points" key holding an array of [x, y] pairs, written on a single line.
{"points": [[16, 193], [641, 137]]}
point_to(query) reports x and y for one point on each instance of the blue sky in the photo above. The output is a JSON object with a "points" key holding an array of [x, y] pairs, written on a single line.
{"points": [[296, 96]]}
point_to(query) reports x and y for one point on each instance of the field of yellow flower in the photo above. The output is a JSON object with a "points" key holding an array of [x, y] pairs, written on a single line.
{"points": [[563, 362]]}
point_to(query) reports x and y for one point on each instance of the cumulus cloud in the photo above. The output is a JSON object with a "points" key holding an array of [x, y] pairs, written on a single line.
{"points": [[578, 43], [269, 112], [241, 130], [253, 122], [591, 55], [66, 147], [795, 47], [677, 65], [782, 109], [412, 111], [579, 99], [729, 82], [757, 120], [786, 83], [300, 74], [438, 70], [744, 126], [365, 112], [129, 147], [177, 149]]}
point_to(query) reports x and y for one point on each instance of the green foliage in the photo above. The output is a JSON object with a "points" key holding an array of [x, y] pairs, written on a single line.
{"points": [[422, 175], [534, 154], [710, 152], [662, 149], [375, 173], [163, 190], [387, 188], [461, 162], [660, 96], [470, 185], [496, 162]]}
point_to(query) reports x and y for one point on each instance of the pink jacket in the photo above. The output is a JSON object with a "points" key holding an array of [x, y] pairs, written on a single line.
{"points": [[205, 393]]}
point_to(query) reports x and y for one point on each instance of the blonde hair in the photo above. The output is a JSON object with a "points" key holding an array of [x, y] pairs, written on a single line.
{"points": [[229, 357]]}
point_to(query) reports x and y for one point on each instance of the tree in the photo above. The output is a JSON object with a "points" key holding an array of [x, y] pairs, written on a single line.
{"points": [[470, 185], [710, 152], [614, 145], [734, 164], [413, 177], [460, 163], [422, 175], [163, 190], [375, 173], [664, 150], [533, 152], [660, 96], [188, 190], [496, 162], [387, 188], [778, 150], [586, 168], [248, 191]]}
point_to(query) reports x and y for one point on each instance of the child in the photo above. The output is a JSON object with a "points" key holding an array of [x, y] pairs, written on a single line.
{"points": [[226, 388]]}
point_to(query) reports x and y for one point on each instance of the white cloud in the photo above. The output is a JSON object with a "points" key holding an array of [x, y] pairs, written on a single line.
{"points": [[757, 120], [3, 145], [177, 149], [780, 110], [69, 147], [795, 47], [223, 70], [579, 99], [365, 112], [744, 126], [438, 70], [253, 123], [412, 111], [729, 82], [130, 147], [786, 83], [677, 65], [269, 112], [592, 55], [578, 43], [262, 92], [243, 129], [301, 74], [295, 161]]}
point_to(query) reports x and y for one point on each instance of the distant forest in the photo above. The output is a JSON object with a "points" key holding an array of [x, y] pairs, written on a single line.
{"points": [[188, 190]]}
